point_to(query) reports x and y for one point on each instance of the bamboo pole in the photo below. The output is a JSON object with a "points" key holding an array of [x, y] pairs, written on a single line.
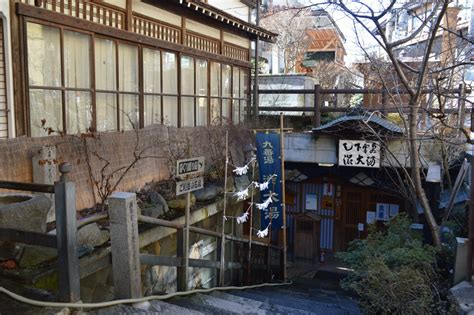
{"points": [[282, 148], [222, 269], [249, 257]]}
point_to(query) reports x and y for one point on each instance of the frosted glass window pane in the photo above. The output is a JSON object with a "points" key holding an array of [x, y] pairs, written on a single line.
{"points": [[235, 112], [187, 112], [187, 73], [78, 112], [170, 111], [44, 59], [201, 77], [170, 73], [151, 70], [128, 113], [226, 78], [235, 82], [45, 111], [201, 111], [76, 60], [152, 114], [128, 68], [105, 65], [215, 79], [106, 111], [226, 111], [215, 111]]}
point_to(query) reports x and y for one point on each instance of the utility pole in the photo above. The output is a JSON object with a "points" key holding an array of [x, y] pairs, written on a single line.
{"points": [[257, 57]]}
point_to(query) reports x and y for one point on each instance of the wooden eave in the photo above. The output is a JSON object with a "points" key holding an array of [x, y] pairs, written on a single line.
{"points": [[208, 12]]}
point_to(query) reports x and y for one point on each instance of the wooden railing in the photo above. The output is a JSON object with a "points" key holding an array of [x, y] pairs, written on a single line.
{"points": [[236, 52], [139, 24], [202, 43], [64, 240], [89, 11], [155, 29], [126, 257]]}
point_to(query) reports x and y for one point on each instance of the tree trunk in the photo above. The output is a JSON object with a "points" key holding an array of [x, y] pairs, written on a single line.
{"points": [[416, 176]]}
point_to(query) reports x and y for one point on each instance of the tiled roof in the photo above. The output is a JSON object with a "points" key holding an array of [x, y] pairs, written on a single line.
{"points": [[371, 119]]}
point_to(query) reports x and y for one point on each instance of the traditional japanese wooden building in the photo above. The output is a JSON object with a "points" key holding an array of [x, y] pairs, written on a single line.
{"points": [[160, 67], [343, 173], [110, 65]]}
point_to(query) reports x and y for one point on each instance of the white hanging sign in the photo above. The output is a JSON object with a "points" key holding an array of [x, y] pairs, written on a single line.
{"points": [[359, 153]]}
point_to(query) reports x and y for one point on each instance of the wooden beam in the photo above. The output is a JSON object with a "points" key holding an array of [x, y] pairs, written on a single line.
{"points": [[38, 13], [44, 188], [31, 238]]}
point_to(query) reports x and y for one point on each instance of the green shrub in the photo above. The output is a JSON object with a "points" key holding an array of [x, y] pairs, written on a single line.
{"points": [[393, 272]]}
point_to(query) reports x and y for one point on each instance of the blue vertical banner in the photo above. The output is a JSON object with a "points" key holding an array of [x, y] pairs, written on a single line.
{"points": [[269, 164]]}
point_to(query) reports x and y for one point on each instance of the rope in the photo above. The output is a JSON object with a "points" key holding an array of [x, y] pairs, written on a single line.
{"points": [[25, 300]]}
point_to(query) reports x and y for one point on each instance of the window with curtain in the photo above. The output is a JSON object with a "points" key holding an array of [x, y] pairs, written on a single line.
{"points": [[128, 86], [170, 88], [56, 94], [187, 92], [216, 93], [202, 100], [152, 86], [106, 84], [127, 77]]}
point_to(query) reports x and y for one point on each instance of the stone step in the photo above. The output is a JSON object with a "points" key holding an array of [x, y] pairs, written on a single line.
{"points": [[258, 307], [310, 305], [211, 305], [154, 307]]}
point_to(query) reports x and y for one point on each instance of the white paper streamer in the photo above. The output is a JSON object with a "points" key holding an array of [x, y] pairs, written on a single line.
{"points": [[243, 218], [239, 171], [262, 186], [242, 195], [263, 233], [265, 204]]}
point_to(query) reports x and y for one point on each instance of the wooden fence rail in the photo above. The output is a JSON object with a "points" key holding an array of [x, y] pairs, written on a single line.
{"points": [[126, 259], [317, 109], [64, 240]]}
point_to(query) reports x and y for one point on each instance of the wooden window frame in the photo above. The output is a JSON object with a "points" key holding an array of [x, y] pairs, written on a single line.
{"points": [[24, 20]]}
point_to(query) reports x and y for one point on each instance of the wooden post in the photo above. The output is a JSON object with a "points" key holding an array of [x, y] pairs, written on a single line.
{"points": [[249, 257], [180, 253], [222, 266], [128, 15], [66, 233], [283, 205], [186, 242], [317, 105], [125, 246]]}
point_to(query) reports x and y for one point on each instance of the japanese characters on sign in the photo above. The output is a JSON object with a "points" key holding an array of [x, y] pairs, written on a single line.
{"points": [[189, 185], [359, 153], [189, 166], [269, 162]]}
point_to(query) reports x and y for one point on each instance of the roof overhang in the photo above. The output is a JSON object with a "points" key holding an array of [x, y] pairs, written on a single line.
{"points": [[251, 30]]}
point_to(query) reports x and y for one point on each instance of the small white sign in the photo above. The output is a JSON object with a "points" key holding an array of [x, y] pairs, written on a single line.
{"points": [[190, 166], [360, 227], [311, 202], [359, 153], [370, 217], [189, 185]]}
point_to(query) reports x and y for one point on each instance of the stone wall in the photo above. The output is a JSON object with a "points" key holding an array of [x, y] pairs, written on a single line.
{"points": [[118, 148]]}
